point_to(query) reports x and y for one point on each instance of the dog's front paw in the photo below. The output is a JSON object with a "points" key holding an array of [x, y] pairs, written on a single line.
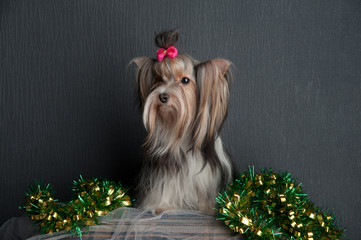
{"points": [[159, 210]]}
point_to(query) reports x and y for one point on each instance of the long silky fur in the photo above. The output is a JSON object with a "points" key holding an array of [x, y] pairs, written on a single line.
{"points": [[186, 164]]}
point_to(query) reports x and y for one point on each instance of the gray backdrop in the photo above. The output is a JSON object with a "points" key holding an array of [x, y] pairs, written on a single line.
{"points": [[67, 103]]}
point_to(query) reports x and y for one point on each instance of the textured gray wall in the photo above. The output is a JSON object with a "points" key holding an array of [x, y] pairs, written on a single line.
{"points": [[67, 104]]}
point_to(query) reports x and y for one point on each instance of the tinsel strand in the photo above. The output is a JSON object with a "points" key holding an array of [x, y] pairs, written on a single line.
{"points": [[93, 198], [272, 206]]}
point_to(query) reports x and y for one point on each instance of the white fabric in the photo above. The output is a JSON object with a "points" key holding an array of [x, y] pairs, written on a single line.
{"points": [[132, 223]]}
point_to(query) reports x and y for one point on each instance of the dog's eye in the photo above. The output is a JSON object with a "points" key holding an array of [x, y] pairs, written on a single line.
{"points": [[185, 80]]}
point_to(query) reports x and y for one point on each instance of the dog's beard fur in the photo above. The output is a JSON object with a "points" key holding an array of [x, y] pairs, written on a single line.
{"points": [[186, 163], [169, 124]]}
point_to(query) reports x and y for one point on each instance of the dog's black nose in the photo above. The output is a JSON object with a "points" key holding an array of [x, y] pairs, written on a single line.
{"points": [[163, 97]]}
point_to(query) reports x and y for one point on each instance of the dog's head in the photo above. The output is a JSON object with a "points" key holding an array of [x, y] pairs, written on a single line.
{"points": [[184, 102]]}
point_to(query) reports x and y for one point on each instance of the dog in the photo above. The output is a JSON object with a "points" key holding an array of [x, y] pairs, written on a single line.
{"points": [[184, 104]]}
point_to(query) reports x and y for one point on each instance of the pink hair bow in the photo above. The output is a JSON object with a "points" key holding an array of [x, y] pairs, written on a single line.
{"points": [[171, 52]]}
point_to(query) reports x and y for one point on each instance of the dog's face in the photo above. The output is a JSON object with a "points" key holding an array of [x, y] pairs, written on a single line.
{"points": [[184, 102], [171, 102]]}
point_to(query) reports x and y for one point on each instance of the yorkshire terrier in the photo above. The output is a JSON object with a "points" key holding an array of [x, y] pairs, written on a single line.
{"points": [[184, 104]]}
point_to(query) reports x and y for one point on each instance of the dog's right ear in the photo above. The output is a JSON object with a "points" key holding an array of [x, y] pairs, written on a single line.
{"points": [[144, 77], [213, 80]]}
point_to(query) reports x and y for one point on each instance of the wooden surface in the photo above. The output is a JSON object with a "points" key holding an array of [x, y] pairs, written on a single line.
{"points": [[67, 103]]}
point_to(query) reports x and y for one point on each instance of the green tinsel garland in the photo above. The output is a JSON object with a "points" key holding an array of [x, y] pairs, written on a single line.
{"points": [[272, 206], [94, 198]]}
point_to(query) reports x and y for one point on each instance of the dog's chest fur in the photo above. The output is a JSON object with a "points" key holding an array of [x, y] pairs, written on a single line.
{"points": [[189, 185]]}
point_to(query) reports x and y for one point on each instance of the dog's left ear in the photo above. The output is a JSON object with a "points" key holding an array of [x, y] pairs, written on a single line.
{"points": [[144, 77], [213, 80]]}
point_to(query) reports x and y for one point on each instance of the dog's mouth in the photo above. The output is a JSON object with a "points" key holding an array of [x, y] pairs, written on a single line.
{"points": [[167, 113], [165, 107]]}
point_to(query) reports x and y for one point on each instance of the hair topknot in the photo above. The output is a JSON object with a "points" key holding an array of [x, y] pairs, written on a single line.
{"points": [[165, 39]]}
